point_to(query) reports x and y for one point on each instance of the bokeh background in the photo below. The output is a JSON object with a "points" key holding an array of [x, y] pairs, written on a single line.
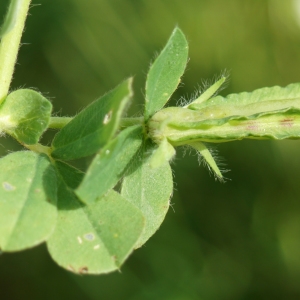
{"points": [[238, 240]]}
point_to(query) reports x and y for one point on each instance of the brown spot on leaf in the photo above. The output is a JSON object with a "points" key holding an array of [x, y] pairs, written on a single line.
{"points": [[252, 125], [83, 270], [287, 122]]}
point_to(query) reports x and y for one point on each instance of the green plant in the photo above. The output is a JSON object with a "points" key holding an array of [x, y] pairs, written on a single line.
{"points": [[87, 225]]}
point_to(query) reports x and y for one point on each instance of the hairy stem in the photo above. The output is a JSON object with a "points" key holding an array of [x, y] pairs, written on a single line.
{"points": [[127, 122], [60, 122], [39, 148], [9, 48]]}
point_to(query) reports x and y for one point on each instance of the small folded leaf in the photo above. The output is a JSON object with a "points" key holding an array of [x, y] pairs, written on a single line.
{"points": [[208, 158], [93, 127], [162, 154], [27, 200], [95, 239], [25, 115], [149, 189], [109, 165], [164, 75], [207, 94]]}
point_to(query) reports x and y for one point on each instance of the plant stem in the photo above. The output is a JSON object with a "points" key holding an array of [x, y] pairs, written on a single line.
{"points": [[60, 122], [39, 148], [9, 48], [127, 122]]}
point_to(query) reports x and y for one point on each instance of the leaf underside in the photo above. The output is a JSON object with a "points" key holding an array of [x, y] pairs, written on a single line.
{"points": [[108, 166], [93, 239], [150, 190], [27, 200]]}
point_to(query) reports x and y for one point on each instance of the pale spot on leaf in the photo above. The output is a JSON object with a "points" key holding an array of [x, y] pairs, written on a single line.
{"points": [[96, 247], [8, 187], [6, 122], [107, 117], [79, 240], [70, 268], [89, 236]]}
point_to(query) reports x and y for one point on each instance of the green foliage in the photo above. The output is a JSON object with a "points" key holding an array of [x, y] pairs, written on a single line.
{"points": [[109, 165], [163, 153], [164, 75], [237, 116], [25, 115], [27, 200], [150, 190], [93, 239], [207, 94], [89, 226], [92, 128]]}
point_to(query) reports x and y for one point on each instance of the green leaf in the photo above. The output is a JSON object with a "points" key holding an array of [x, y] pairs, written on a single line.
{"points": [[70, 175], [164, 75], [93, 127], [25, 114], [262, 100], [93, 239], [149, 189], [11, 17], [109, 165], [27, 200], [162, 154]]}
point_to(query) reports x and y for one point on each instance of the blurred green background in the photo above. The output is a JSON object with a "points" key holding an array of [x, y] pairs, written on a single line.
{"points": [[238, 240]]}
